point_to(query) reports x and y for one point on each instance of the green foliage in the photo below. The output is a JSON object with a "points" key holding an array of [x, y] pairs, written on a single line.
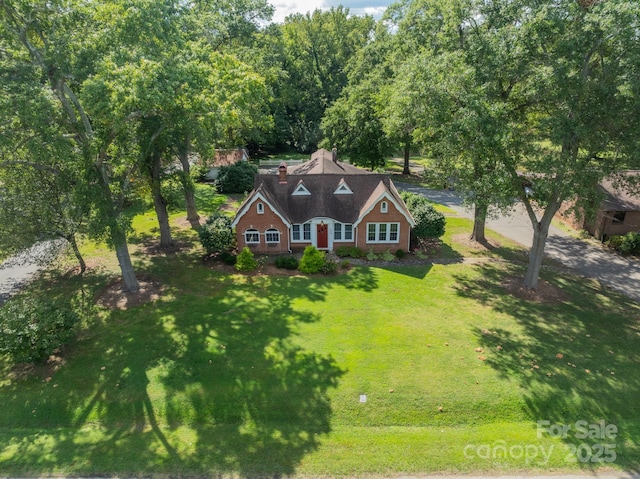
{"points": [[350, 251], [31, 329], [329, 266], [388, 256], [236, 178], [312, 260], [626, 244], [400, 253], [228, 258], [246, 261], [371, 255], [429, 222], [287, 262], [216, 235]]}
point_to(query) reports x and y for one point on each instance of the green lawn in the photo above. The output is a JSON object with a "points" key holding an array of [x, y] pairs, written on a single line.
{"points": [[256, 375]]}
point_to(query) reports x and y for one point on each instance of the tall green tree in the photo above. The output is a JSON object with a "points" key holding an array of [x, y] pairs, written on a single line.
{"points": [[55, 39], [316, 50], [583, 110]]}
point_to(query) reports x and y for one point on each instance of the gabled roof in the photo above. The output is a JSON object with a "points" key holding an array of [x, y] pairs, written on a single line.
{"points": [[321, 163], [321, 178], [229, 157], [260, 194], [619, 198], [322, 202]]}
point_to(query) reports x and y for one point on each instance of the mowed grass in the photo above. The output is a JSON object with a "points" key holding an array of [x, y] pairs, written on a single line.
{"points": [[254, 375]]}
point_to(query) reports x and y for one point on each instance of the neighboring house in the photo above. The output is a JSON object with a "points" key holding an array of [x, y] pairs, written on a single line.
{"points": [[326, 204], [225, 158], [619, 212]]}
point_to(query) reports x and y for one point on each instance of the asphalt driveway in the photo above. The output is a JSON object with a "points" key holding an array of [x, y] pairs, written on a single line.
{"points": [[584, 258]]}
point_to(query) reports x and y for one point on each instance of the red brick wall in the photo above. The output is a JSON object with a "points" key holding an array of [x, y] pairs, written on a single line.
{"points": [[262, 222], [606, 227], [393, 215]]}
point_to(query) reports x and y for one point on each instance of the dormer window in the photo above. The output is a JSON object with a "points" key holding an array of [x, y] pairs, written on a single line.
{"points": [[384, 207], [301, 190], [260, 208], [343, 188]]}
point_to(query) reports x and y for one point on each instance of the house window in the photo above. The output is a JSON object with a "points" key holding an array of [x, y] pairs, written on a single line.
{"points": [[384, 207], [272, 235], [252, 236], [383, 232], [301, 232], [619, 216], [260, 208], [342, 232]]}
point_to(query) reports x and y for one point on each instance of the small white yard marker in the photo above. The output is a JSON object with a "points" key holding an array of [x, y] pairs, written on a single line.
{"points": [[363, 398]]}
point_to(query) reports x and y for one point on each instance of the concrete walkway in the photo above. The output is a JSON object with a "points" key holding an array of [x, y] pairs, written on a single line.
{"points": [[585, 258]]}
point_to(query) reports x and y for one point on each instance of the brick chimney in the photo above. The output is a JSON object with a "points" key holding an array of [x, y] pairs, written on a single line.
{"points": [[282, 173]]}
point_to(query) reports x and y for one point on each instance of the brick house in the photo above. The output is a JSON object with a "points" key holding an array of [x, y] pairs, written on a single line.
{"points": [[618, 213], [324, 203]]}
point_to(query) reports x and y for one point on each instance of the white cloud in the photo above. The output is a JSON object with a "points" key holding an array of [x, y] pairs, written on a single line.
{"points": [[284, 8], [287, 7]]}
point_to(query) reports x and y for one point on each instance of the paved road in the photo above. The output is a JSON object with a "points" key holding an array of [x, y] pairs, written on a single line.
{"points": [[585, 258], [19, 270]]}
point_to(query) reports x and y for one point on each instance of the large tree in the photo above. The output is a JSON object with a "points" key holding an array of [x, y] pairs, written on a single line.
{"points": [[537, 94], [56, 39], [316, 49], [583, 106]]}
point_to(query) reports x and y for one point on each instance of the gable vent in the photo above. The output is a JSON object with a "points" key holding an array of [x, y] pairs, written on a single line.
{"points": [[343, 188], [301, 190]]}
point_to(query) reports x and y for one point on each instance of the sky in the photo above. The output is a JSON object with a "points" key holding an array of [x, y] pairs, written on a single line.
{"points": [[356, 7]]}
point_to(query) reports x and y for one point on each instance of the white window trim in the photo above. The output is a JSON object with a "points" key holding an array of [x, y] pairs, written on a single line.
{"points": [[384, 207], [302, 238], [377, 240], [260, 208], [271, 231], [342, 238], [251, 231]]}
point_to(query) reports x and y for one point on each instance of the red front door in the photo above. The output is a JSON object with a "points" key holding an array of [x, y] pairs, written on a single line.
{"points": [[322, 236]]}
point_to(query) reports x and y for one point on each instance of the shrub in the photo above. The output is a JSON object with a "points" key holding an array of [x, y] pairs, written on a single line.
{"points": [[429, 222], [31, 329], [387, 256], [236, 178], [625, 244], [216, 234], [246, 261], [400, 253], [287, 262], [345, 264], [312, 260], [371, 256], [329, 267], [350, 251], [228, 258]]}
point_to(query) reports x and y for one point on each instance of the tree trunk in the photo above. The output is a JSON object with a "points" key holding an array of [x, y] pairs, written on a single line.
{"points": [[536, 255], [479, 222], [189, 190], [119, 239], [160, 203], [407, 154], [76, 251]]}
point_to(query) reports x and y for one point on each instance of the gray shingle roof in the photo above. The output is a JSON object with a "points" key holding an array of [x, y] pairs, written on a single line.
{"points": [[322, 178]]}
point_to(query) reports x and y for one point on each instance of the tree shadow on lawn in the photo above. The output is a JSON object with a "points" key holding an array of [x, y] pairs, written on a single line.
{"points": [[207, 384], [576, 358]]}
